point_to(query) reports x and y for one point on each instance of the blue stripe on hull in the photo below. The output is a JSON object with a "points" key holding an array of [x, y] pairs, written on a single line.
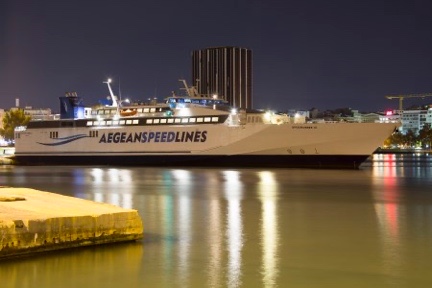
{"points": [[267, 161]]}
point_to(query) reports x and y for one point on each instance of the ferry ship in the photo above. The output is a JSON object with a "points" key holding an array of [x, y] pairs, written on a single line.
{"points": [[192, 130]]}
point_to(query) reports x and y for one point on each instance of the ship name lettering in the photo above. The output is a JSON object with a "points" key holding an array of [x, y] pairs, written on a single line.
{"points": [[304, 127], [156, 137]]}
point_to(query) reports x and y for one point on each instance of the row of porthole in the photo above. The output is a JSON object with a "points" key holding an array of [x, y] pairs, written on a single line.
{"points": [[154, 121], [302, 151], [112, 122], [182, 120]]}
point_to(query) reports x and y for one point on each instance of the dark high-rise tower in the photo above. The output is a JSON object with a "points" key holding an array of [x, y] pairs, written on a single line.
{"points": [[225, 71]]}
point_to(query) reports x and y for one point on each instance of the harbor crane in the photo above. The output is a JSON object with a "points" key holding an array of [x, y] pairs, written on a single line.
{"points": [[402, 97]]}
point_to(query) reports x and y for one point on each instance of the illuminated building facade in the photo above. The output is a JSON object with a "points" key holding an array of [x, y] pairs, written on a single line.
{"points": [[226, 72], [414, 120]]}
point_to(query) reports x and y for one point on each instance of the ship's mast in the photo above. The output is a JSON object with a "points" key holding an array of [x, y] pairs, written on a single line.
{"points": [[191, 91], [113, 97]]}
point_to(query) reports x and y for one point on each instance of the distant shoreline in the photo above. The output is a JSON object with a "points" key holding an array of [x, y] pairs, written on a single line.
{"points": [[400, 151]]}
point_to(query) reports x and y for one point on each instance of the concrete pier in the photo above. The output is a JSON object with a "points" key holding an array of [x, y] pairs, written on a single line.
{"points": [[33, 221]]}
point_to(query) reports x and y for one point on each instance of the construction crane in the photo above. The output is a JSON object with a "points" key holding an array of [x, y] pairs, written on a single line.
{"points": [[402, 97]]}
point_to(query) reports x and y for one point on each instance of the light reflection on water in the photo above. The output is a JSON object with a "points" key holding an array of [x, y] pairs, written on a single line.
{"points": [[234, 226], [401, 182], [245, 227], [267, 193]]}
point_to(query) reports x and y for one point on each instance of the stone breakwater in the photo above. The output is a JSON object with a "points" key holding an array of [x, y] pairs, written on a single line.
{"points": [[33, 221]]}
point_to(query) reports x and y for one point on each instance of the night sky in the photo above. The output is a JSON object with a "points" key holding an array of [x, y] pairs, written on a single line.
{"points": [[323, 54]]}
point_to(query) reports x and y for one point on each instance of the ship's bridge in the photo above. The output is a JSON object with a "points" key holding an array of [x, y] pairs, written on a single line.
{"points": [[186, 101]]}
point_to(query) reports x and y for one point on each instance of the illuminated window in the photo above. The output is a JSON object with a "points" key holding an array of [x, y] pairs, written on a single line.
{"points": [[163, 121], [207, 119], [215, 119], [177, 120], [192, 120], [122, 122], [185, 120], [109, 122], [171, 120], [89, 123], [156, 121], [200, 120], [128, 122], [149, 121], [135, 121]]}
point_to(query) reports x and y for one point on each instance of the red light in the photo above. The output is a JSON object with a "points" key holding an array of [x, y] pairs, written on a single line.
{"points": [[389, 113]]}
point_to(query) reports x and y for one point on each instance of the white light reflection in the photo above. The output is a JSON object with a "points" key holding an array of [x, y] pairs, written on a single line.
{"points": [[215, 237], [269, 228], [234, 232], [215, 242], [183, 179], [114, 186]]}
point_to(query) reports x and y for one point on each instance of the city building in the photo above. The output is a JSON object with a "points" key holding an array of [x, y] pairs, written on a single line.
{"points": [[414, 120], [226, 72], [36, 114], [390, 117]]}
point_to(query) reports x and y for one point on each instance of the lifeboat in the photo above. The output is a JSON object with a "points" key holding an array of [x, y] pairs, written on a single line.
{"points": [[127, 112]]}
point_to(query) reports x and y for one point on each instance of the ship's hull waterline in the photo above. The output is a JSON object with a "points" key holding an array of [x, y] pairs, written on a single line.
{"points": [[235, 161]]}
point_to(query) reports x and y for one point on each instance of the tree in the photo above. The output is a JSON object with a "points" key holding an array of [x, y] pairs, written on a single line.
{"points": [[11, 119], [410, 138], [425, 136], [396, 139]]}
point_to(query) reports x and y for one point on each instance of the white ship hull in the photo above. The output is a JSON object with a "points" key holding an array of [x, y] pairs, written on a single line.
{"points": [[326, 145]]}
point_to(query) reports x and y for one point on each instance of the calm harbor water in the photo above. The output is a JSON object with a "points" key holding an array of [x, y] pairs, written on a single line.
{"points": [[245, 227]]}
